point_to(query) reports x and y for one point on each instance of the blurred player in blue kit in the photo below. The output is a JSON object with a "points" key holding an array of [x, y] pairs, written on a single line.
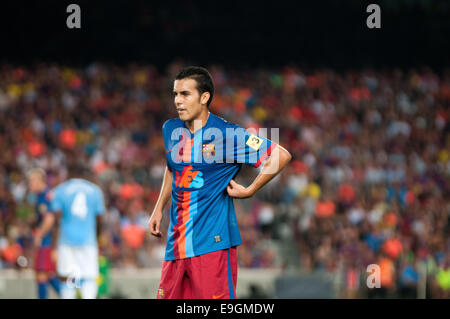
{"points": [[80, 204], [44, 261]]}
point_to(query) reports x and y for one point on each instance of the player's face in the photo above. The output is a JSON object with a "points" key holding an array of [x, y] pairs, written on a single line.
{"points": [[35, 183], [187, 99]]}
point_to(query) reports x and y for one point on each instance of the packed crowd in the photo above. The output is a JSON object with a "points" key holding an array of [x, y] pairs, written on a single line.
{"points": [[368, 184]]}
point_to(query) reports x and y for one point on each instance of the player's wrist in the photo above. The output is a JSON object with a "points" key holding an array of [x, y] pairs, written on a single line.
{"points": [[156, 213], [251, 190]]}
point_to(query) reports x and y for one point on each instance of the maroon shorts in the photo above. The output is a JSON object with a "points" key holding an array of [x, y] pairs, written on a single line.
{"points": [[209, 276], [43, 261]]}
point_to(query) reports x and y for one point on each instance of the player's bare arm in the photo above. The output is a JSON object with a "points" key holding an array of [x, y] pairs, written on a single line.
{"points": [[55, 235], [275, 163], [99, 229], [164, 196], [47, 224]]}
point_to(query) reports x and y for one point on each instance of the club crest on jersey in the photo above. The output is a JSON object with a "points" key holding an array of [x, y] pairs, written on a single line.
{"points": [[254, 142], [189, 178], [208, 150]]}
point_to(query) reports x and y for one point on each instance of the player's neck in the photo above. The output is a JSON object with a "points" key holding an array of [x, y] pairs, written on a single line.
{"points": [[201, 118], [42, 188]]}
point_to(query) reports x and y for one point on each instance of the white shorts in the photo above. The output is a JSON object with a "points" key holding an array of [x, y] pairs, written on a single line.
{"points": [[77, 261]]}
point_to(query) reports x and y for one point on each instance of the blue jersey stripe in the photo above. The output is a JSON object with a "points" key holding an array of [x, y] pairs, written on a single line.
{"points": [[170, 232], [230, 278], [196, 153], [190, 223]]}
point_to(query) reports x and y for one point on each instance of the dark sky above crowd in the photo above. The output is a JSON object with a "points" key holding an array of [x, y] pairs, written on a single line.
{"points": [[240, 33]]}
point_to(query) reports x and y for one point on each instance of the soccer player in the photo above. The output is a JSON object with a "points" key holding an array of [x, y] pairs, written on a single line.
{"points": [[204, 153], [81, 204], [44, 263]]}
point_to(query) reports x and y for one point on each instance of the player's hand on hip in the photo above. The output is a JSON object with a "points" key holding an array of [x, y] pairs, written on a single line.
{"points": [[155, 223], [37, 241], [54, 256], [238, 191]]}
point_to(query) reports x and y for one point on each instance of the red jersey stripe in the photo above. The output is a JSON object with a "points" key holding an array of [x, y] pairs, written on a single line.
{"points": [[180, 227], [265, 155], [177, 225]]}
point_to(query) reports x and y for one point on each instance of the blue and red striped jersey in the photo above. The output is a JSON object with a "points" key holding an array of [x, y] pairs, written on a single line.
{"points": [[202, 215], [42, 207]]}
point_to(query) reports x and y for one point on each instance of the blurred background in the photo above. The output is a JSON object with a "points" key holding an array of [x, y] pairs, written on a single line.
{"points": [[365, 114]]}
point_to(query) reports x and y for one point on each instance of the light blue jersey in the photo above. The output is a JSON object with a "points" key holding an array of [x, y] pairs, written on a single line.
{"points": [[80, 202]]}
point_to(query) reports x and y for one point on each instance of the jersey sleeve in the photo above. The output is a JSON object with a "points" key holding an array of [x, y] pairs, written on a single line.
{"points": [[45, 206], [244, 147], [166, 139], [56, 202]]}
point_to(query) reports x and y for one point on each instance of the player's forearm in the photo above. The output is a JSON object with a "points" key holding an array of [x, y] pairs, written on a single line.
{"points": [[99, 226], [278, 159], [55, 233], [47, 224], [164, 195]]}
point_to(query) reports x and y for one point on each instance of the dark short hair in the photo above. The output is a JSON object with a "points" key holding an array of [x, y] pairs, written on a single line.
{"points": [[201, 76], [78, 170]]}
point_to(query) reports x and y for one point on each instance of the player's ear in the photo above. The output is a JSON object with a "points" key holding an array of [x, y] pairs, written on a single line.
{"points": [[205, 97]]}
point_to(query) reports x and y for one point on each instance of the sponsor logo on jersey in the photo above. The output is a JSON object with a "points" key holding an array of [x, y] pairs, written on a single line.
{"points": [[189, 178]]}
